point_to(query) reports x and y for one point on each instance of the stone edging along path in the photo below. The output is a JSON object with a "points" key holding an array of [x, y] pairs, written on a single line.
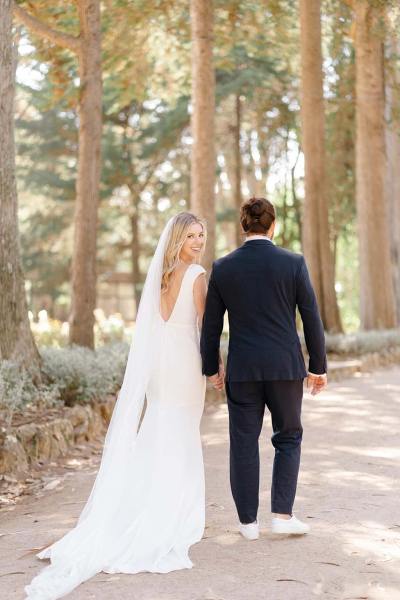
{"points": [[26, 445], [39, 442]]}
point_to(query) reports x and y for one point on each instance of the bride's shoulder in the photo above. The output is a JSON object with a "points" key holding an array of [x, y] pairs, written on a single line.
{"points": [[196, 269]]}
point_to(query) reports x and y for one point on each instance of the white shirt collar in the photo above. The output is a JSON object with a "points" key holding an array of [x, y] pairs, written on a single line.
{"points": [[258, 237]]}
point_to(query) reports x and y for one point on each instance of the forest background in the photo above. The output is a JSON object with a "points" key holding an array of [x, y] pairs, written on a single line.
{"points": [[127, 112]]}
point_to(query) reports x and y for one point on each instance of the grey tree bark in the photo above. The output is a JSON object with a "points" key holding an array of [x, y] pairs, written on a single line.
{"points": [[88, 181], [377, 305], [392, 182], [315, 227], [203, 160], [16, 339]]}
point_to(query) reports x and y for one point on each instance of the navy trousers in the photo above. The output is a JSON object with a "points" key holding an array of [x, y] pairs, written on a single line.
{"points": [[246, 404]]}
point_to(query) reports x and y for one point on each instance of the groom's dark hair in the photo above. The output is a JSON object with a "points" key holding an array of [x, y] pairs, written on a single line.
{"points": [[257, 215]]}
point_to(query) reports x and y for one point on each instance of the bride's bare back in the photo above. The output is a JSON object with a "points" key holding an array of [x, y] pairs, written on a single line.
{"points": [[170, 296]]}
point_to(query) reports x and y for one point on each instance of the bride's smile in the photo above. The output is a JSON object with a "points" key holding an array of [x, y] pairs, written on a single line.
{"points": [[194, 244]]}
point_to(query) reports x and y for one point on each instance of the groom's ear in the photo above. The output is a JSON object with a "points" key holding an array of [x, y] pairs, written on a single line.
{"points": [[272, 230], [243, 226]]}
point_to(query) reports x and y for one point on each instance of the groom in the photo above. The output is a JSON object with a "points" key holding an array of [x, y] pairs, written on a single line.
{"points": [[260, 285]]}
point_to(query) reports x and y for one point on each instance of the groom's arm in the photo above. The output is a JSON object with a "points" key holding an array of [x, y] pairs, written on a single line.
{"points": [[213, 322], [312, 324]]}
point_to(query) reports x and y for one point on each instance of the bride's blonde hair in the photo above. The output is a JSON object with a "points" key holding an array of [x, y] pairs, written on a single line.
{"points": [[177, 238]]}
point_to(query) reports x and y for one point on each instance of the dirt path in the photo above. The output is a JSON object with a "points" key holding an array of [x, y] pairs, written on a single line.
{"points": [[348, 491]]}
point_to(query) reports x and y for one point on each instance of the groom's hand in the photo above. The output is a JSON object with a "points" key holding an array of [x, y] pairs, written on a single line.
{"points": [[317, 383], [217, 380]]}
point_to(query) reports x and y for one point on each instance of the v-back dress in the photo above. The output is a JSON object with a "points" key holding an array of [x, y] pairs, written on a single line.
{"points": [[161, 513]]}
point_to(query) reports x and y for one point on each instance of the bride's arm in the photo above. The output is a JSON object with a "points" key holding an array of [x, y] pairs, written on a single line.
{"points": [[200, 293]]}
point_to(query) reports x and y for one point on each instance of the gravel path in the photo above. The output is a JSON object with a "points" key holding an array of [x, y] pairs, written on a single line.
{"points": [[348, 491]]}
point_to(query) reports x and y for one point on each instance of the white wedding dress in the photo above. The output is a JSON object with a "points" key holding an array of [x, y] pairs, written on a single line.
{"points": [[147, 505]]}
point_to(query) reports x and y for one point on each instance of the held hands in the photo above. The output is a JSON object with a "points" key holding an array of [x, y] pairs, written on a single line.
{"points": [[317, 383], [218, 380]]}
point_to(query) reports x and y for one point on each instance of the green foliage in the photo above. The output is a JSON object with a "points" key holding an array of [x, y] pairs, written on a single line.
{"points": [[46, 140], [16, 387], [146, 135], [165, 126], [82, 375], [340, 117], [347, 282], [60, 64], [17, 391], [246, 74], [72, 375]]}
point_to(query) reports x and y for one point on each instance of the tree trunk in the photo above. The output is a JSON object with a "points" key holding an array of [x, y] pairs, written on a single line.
{"points": [[238, 167], [392, 131], [87, 46], [83, 300], [376, 284], [16, 340], [203, 164], [316, 239]]}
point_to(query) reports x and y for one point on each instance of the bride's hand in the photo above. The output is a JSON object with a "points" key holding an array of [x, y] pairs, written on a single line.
{"points": [[217, 381]]}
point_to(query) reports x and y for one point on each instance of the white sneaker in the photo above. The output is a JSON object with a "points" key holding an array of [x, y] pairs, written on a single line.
{"points": [[250, 531], [290, 526]]}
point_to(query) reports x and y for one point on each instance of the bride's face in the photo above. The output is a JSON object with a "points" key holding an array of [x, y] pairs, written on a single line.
{"points": [[194, 243]]}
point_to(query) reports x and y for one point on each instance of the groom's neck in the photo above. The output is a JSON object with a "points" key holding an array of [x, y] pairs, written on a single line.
{"points": [[258, 235]]}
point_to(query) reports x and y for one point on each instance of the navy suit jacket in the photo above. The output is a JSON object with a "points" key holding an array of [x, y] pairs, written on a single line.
{"points": [[260, 285]]}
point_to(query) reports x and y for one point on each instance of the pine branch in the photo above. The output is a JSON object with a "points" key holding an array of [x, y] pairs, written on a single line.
{"points": [[43, 30]]}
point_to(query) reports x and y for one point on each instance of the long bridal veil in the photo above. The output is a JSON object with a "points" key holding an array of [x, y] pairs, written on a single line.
{"points": [[85, 549]]}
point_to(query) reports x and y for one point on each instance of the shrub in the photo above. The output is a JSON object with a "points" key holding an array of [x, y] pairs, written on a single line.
{"points": [[73, 375], [83, 375], [17, 390], [363, 342]]}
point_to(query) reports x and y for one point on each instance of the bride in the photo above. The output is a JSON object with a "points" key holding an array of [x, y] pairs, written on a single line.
{"points": [[147, 505]]}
